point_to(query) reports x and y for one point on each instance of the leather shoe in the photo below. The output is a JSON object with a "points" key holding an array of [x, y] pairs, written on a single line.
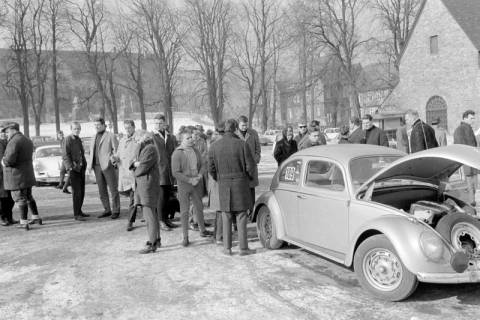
{"points": [[24, 226], [164, 227], [59, 186], [130, 226], [12, 221], [4, 223], [149, 248], [66, 191], [171, 224], [185, 242], [38, 220], [84, 215], [115, 215], [206, 233], [227, 252], [79, 218], [105, 214], [246, 252]]}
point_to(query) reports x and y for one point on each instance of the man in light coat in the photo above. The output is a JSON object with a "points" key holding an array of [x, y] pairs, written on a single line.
{"points": [[250, 137], [102, 147], [127, 152]]}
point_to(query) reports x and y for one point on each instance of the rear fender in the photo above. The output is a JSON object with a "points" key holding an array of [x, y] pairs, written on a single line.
{"points": [[268, 199]]}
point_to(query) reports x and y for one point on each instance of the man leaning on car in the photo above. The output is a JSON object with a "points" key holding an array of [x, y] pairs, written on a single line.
{"points": [[464, 135], [75, 164]]}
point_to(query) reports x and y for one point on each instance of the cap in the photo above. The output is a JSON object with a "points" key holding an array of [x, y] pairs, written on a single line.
{"points": [[436, 121], [12, 125]]}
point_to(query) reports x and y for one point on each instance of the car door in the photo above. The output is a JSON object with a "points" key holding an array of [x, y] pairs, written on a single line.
{"points": [[323, 207], [286, 194]]}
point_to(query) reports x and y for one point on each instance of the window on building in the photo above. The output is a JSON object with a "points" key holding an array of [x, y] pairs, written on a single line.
{"points": [[434, 45]]}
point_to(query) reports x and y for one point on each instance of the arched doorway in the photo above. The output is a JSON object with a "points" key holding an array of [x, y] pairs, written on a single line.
{"points": [[437, 108]]}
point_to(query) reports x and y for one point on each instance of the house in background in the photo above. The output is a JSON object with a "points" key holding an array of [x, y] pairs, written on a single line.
{"points": [[440, 65]]}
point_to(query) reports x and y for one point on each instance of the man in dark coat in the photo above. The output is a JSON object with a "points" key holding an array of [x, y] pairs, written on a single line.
{"points": [[166, 144], [464, 135], [250, 136], [18, 173], [373, 134], [357, 135], [285, 147], [232, 165], [6, 201], [75, 164], [422, 136], [302, 132]]}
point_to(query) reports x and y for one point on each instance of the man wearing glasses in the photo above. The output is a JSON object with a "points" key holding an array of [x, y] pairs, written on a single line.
{"points": [[302, 133]]}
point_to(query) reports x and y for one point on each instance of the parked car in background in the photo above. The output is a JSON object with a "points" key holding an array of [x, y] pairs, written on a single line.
{"points": [[47, 162], [264, 141], [393, 217], [43, 140], [272, 135], [332, 134]]}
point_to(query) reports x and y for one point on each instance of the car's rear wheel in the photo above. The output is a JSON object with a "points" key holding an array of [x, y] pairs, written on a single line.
{"points": [[463, 232], [381, 272], [266, 230]]}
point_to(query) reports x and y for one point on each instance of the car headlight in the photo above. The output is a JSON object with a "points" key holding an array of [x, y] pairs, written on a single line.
{"points": [[432, 246]]}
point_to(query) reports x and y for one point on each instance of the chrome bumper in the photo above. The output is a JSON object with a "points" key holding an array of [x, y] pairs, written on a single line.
{"points": [[464, 277]]}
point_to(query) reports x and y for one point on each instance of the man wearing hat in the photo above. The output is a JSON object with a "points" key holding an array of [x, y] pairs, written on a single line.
{"points": [[18, 173], [6, 201], [440, 133]]}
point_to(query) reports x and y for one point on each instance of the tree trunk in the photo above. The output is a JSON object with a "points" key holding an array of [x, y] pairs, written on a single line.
{"points": [[140, 95], [23, 92], [312, 101], [37, 124], [114, 110], [250, 106], [56, 103]]}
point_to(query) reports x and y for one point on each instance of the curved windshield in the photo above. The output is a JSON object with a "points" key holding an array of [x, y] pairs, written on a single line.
{"points": [[49, 152], [362, 169]]}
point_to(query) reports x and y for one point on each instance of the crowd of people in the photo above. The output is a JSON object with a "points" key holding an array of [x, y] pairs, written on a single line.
{"points": [[145, 166], [220, 165]]}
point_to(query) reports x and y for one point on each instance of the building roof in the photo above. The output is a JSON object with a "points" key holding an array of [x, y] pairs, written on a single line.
{"points": [[467, 15]]}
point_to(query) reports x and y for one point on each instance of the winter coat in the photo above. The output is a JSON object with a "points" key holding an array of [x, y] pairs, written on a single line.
{"points": [[299, 138], [3, 146], [343, 140], [232, 165], [422, 137], [402, 139], [357, 136], [127, 152], [464, 135], [284, 149], [180, 166], [213, 193], [147, 176], [165, 147], [18, 164], [376, 136], [253, 142]]}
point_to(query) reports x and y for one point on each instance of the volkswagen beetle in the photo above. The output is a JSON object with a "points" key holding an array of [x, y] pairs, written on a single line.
{"points": [[393, 217]]}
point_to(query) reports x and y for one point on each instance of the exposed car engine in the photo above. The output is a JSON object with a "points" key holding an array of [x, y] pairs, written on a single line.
{"points": [[431, 212]]}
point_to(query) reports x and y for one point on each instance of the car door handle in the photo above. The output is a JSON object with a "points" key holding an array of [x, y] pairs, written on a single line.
{"points": [[301, 197]]}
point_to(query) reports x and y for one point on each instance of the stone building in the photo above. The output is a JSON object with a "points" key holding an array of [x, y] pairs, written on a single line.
{"points": [[440, 65]]}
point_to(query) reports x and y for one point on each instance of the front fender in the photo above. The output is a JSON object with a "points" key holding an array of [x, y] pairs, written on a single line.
{"points": [[268, 199], [404, 234]]}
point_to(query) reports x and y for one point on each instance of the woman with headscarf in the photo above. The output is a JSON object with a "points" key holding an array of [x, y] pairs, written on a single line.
{"points": [[147, 187], [286, 146]]}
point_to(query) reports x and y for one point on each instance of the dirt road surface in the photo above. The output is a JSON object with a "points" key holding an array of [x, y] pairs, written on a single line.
{"points": [[92, 270]]}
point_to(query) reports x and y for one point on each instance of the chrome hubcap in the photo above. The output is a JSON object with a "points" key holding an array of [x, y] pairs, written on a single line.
{"points": [[382, 269], [466, 236]]}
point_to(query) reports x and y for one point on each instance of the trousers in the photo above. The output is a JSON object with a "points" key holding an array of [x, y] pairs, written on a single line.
{"points": [[187, 193], [242, 229], [153, 227], [108, 178], [77, 181]]}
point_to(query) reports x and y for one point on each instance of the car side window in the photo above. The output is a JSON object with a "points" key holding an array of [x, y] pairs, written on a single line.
{"points": [[324, 175], [291, 172]]}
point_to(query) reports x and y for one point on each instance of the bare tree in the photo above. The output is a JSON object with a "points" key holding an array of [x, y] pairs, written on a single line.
{"points": [[335, 26], [210, 28], [164, 40], [398, 17], [86, 23], [55, 14], [264, 16], [39, 63], [129, 38], [17, 64], [245, 61]]}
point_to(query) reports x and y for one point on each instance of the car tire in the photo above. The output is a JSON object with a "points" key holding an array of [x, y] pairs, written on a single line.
{"points": [[266, 230], [462, 230], [372, 257]]}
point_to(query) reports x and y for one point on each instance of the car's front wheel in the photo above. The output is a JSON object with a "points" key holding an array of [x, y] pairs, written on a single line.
{"points": [[266, 230], [381, 272]]}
